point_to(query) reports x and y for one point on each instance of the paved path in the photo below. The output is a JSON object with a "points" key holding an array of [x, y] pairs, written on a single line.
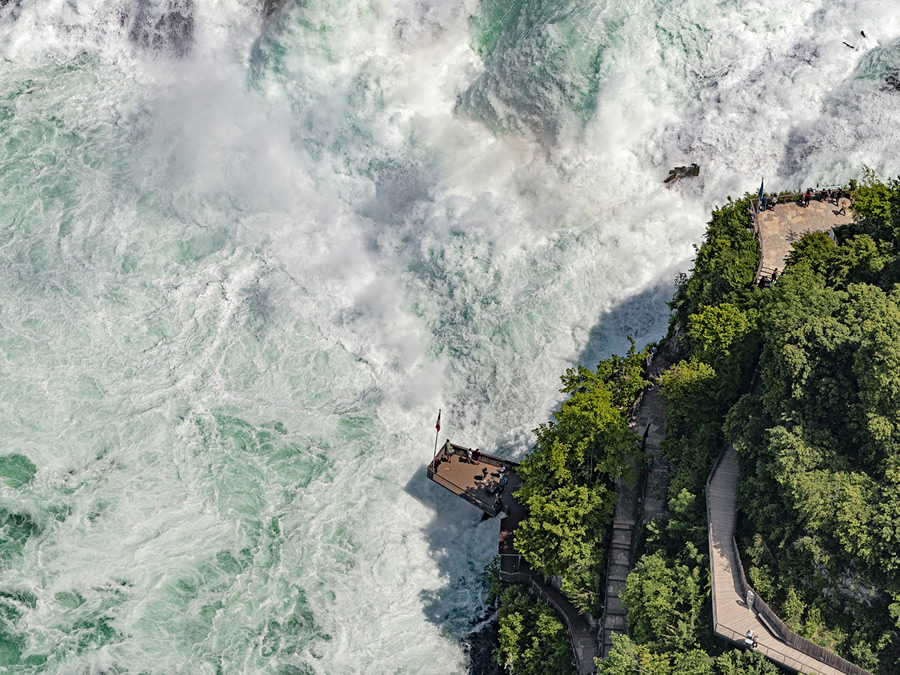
{"points": [[780, 227], [731, 616], [648, 418]]}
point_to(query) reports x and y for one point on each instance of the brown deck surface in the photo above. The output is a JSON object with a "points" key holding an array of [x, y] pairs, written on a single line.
{"points": [[476, 482], [731, 615], [780, 227]]}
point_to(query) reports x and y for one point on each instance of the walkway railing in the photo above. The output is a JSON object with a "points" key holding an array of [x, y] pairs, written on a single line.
{"points": [[521, 573], [712, 576], [789, 637]]}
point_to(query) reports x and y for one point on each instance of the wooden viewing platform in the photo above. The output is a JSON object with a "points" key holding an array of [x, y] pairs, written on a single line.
{"points": [[492, 492], [483, 482], [732, 617]]}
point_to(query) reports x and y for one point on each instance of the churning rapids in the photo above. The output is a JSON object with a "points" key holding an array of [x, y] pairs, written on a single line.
{"points": [[246, 258]]}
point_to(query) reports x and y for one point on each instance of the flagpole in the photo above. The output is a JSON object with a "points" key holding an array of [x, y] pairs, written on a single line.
{"points": [[437, 430]]}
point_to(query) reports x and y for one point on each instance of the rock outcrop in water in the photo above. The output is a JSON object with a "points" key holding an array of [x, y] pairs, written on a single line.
{"points": [[691, 171], [167, 26], [892, 81]]}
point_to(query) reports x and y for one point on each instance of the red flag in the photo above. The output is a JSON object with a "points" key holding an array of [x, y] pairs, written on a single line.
{"points": [[438, 425]]}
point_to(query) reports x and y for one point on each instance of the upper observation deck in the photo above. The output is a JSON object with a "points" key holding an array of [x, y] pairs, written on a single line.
{"points": [[780, 226]]}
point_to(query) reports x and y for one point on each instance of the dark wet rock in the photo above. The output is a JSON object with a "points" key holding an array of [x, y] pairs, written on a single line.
{"points": [[166, 26], [691, 171], [892, 81], [271, 6], [480, 646]]}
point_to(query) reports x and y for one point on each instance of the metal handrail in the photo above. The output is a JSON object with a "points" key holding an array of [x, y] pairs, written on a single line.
{"points": [[543, 595]]}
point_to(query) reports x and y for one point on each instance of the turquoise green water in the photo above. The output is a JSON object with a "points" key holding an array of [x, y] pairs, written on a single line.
{"points": [[237, 286]]}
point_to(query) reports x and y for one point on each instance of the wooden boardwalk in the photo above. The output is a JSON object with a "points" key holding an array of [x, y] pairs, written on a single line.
{"points": [[732, 618]]}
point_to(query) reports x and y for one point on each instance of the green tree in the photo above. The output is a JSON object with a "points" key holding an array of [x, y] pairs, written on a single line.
{"points": [[725, 263], [735, 662], [627, 657], [532, 639], [664, 599], [560, 530], [876, 207]]}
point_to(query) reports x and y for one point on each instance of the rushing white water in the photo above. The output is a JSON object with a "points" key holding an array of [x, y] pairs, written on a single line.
{"points": [[245, 261]]}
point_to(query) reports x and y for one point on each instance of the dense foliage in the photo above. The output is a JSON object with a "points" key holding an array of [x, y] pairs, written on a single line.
{"points": [[532, 638], [819, 446], [631, 658], [567, 478], [804, 379], [817, 436]]}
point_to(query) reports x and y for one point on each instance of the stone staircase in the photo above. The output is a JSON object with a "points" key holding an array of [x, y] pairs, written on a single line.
{"points": [[635, 504]]}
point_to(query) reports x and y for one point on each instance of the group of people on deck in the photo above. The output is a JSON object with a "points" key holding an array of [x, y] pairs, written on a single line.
{"points": [[472, 456], [833, 196]]}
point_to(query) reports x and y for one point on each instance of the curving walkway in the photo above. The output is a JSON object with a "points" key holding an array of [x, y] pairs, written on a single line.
{"points": [[731, 616]]}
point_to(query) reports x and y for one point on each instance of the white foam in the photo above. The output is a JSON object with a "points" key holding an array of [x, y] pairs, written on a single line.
{"points": [[310, 228]]}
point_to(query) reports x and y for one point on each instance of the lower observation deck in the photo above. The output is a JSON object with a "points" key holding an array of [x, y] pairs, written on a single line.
{"points": [[484, 481], [489, 483]]}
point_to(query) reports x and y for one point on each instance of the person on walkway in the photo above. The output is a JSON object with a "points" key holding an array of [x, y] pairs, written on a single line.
{"points": [[748, 638], [476, 455], [773, 203], [775, 276], [843, 211], [764, 203], [469, 454]]}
